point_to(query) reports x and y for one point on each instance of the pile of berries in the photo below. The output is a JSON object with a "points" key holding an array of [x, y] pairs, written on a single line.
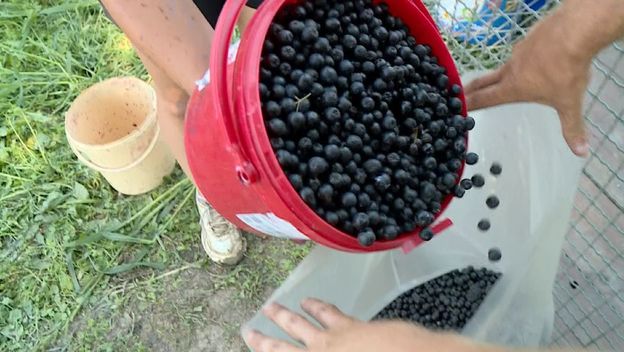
{"points": [[361, 117], [444, 303]]}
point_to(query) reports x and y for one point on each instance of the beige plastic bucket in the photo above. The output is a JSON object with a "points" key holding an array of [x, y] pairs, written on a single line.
{"points": [[112, 128]]}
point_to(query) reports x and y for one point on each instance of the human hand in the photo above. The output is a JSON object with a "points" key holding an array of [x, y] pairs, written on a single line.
{"points": [[341, 333], [546, 67]]}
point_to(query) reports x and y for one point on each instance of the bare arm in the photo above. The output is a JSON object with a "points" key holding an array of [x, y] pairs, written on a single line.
{"points": [[345, 334], [551, 65]]}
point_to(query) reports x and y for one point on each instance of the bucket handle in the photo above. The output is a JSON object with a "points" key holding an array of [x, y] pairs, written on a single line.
{"points": [[218, 69], [133, 164]]}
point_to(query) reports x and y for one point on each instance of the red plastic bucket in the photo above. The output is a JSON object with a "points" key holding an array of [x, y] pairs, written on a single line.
{"points": [[228, 149]]}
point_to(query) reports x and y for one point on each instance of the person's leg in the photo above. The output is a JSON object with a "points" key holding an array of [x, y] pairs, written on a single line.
{"points": [[172, 101], [173, 41]]}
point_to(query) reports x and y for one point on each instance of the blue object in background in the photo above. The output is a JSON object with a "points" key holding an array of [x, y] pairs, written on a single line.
{"points": [[489, 22], [535, 5]]}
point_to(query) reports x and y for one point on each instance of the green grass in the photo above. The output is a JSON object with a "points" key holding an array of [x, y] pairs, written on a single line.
{"points": [[68, 241], [63, 230]]}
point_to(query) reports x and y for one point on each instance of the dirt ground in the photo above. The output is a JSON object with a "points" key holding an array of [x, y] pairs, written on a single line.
{"points": [[198, 307]]}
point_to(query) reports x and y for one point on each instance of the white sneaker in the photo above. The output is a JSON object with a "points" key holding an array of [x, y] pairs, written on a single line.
{"points": [[221, 240]]}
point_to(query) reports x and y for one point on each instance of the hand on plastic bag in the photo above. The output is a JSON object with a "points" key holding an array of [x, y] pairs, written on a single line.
{"points": [[543, 69], [341, 333]]}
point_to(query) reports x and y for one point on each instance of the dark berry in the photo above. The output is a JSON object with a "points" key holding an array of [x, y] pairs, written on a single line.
{"points": [[494, 254], [332, 115], [278, 127], [426, 234], [466, 184], [332, 152], [357, 88], [372, 166], [329, 98], [456, 89], [454, 164], [348, 199], [317, 165], [459, 191], [326, 193], [390, 232], [366, 238], [354, 143], [296, 120], [345, 154], [496, 169], [382, 182], [349, 41], [332, 218], [472, 158], [273, 109], [328, 75], [424, 218], [307, 194], [448, 180], [430, 163], [469, 123], [492, 202], [296, 181], [360, 221], [309, 34], [478, 181], [368, 104], [484, 225]]}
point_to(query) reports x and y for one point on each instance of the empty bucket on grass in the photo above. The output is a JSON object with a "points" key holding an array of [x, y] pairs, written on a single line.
{"points": [[112, 128]]}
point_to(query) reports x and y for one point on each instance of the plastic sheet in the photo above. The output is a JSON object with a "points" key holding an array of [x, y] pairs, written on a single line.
{"points": [[536, 190]]}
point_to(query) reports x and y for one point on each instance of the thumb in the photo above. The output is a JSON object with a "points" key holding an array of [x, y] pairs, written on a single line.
{"points": [[573, 128]]}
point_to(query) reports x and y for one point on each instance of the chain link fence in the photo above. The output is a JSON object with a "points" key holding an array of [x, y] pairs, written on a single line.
{"points": [[589, 291]]}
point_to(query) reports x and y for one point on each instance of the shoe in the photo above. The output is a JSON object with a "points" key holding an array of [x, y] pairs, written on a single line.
{"points": [[221, 240]]}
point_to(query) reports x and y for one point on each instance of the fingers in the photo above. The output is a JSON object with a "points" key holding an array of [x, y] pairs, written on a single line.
{"points": [[495, 94], [484, 81], [328, 315], [492, 89], [261, 343], [293, 324], [573, 128]]}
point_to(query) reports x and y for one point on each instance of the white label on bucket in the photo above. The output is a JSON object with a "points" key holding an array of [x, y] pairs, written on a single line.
{"points": [[205, 80], [272, 225]]}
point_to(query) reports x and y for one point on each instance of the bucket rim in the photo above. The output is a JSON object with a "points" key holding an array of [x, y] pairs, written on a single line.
{"points": [[259, 140], [148, 123]]}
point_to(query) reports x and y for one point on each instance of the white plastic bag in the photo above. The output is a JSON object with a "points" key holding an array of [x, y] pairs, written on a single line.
{"points": [[536, 189]]}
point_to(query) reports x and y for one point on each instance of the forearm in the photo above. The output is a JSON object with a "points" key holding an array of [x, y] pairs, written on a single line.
{"points": [[587, 26]]}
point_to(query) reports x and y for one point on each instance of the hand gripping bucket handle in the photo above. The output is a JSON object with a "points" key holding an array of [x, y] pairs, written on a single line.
{"points": [[218, 71], [132, 165]]}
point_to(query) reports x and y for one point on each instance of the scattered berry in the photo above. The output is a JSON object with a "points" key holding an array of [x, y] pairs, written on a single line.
{"points": [[466, 184], [472, 158], [492, 202], [426, 234], [478, 181], [496, 169], [484, 225], [494, 254]]}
